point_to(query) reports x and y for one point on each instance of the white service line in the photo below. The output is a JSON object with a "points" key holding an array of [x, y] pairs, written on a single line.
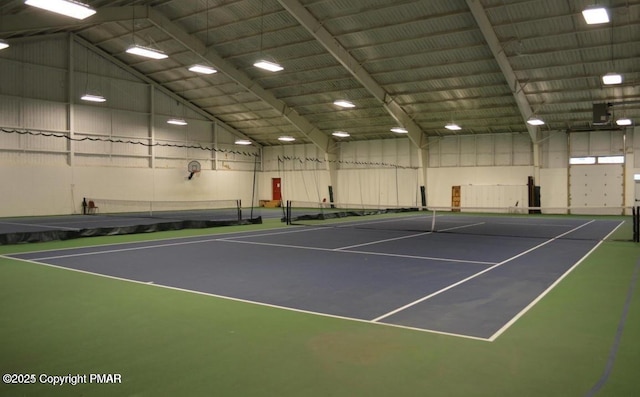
{"points": [[357, 252], [404, 237], [476, 275]]}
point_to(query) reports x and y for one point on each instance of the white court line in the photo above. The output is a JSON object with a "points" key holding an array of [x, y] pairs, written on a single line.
{"points": [[356, 252], [552, 286], [232, 239], [404, 237], [206, 240], [263, 304], [38, 225], [228, 240], [408, 305], [115, 250], [150, 241]]}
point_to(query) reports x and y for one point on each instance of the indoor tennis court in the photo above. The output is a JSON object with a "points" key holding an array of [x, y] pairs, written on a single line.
{"points": [[422, 281], [317, 198]]}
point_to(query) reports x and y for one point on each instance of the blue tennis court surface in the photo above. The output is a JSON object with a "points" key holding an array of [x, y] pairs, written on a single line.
{"points": [[471, 285]]}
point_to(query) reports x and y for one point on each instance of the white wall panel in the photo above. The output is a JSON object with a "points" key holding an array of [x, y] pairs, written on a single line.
{"points": [[364, 154], [522, 149], [127, 124], [449, 152], [92, 119], [48, 116], [128, 95], [554, 150], [554, 183], [485, 150], [49, 51], [30, 158], [10, 141], [11, 78], [44, 83], [111, 161], [503, 146], [467, 151], [596, 143]]}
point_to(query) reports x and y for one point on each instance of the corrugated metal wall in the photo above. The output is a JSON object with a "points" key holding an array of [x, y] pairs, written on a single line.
{"points": [[40, 88]]}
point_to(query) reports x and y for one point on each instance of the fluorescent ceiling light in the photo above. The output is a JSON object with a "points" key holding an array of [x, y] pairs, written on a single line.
{"points": [[533, 120], [202, 69], [3, 44], [341, 134], [624, 121], [612, 78], [343, 103], [69, 8], [93, 98], [177, 121], [146, 52], [399, 130], [594, 15], [243, 142], [286, 138], [453, 127], [266, 65]]}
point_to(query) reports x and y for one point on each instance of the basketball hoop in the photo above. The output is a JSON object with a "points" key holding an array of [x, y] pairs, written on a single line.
{"points": [[193, 168]]}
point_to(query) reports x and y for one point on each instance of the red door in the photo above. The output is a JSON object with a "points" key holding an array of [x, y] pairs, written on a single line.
{"points": [[276, 188]]}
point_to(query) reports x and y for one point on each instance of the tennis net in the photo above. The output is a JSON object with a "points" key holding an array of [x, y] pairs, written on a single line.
{"points": [[206, 210], [544, 223]]}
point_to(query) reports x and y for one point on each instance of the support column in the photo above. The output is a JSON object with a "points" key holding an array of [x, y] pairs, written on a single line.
{"points": [[71, 107], [152, 127]]}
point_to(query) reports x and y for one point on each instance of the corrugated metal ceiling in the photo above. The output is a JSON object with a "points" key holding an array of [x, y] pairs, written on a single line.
{"points": [[429, 58]]}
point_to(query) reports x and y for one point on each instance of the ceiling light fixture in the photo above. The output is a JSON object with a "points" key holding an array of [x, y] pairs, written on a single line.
{"points": [[263, 63], [286, 138], [453, 127], [534, 120], [202, 69], [93, 98], [267, 65], [595, 14], [3, 44], [177, 121], [343, 103], [399, 130], [243, 142], [624, 121], [146, 52], [69, 8], [612, 78], [341, 134], [91, 94]]}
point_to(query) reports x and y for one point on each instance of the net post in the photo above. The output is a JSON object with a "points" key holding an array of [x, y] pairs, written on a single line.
{"points": [[633, 219], [635, 211], [433, 220], [288, 213], [637, 224]]}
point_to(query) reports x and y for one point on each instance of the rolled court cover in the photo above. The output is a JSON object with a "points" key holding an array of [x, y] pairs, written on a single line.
{"points": [[503, 222]]}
